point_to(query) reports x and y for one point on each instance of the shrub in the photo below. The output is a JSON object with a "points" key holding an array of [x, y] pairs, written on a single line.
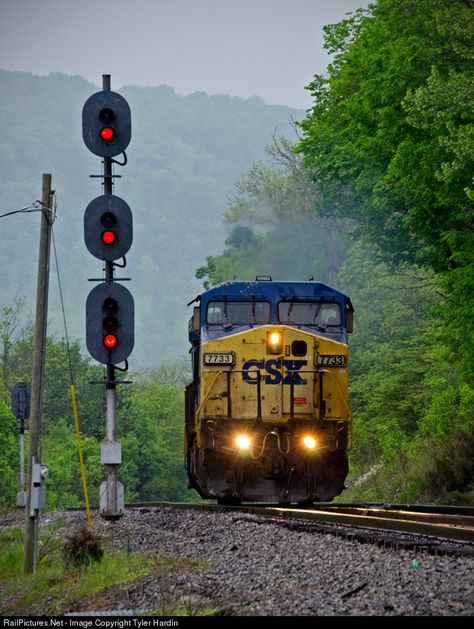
{"points": [[82, 547]]}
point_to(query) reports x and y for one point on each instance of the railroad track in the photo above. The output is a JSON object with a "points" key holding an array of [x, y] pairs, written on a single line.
{"points": [[434, 529]]}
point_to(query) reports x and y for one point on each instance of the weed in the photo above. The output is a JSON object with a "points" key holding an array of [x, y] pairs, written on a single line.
{"points": [[451, 473], [11, 557], [187, 608], [82, 547]]}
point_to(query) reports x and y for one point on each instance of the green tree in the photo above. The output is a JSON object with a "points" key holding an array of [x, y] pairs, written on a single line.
{"points": [[60, 361], [9, 453], [390, 353], [390, 143], [370, 140], [12, 341], [153, 443], [274, 228], [59, 453]]}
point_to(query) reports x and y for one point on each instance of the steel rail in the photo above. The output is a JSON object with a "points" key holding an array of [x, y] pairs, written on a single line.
{"points": [[448, 523], [450, 527]]}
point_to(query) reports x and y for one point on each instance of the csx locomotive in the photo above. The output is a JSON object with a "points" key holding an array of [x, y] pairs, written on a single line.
{"points": [[267, 413]]}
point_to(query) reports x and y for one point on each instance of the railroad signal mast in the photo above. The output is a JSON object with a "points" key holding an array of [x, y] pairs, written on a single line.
{"points": [[108, 235], [21, 402]]}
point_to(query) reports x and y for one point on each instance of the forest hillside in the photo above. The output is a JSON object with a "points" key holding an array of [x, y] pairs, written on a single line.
{"points": [[185, 153]]}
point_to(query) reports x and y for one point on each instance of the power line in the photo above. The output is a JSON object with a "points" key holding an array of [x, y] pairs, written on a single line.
{"points": [[35, 207], [68, 352], [71, 374]]}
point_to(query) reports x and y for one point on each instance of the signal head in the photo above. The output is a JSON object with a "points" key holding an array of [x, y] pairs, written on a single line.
{"points": [[106, 124], [110, 323], [108, 227]]}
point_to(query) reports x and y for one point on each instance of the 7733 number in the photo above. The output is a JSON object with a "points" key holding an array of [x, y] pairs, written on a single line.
{"points": [[331, 360]]}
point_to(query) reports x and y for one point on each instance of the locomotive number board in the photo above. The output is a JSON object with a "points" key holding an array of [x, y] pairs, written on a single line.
{"points": [[219, 358], [331, 360]]}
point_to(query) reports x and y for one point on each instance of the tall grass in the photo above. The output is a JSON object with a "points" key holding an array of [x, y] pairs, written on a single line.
{"points": [[57, 585]]}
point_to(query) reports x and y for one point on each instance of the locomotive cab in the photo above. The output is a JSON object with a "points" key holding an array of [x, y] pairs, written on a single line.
{"points": [[267, 414]]}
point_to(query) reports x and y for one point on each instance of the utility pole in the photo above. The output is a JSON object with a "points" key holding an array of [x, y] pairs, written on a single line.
{"points": [[35, 495]]}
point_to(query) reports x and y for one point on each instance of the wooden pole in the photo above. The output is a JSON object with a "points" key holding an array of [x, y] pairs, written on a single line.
{"points": [[31, 513]]}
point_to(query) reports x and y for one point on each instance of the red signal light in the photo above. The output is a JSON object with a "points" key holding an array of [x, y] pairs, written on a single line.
{"points": [[110, 341], [108, 237], [107, 133]]}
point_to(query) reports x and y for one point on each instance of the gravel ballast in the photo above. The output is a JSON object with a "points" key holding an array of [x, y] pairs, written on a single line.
{"points": [[250, 566]]}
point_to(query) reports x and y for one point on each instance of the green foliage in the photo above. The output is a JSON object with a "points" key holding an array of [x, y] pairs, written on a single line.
{"points": [[451, 411], [57, 399], [9, 452], [389, 349], [153, 443], [390, 121], [272, 213], [56, 585], [150, 424], [390, 142], [11, 557], [451, 473], [61, 455]]}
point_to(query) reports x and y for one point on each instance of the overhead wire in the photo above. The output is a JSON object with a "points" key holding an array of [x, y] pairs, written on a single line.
{"points": [[34, 207], [71, 376]]}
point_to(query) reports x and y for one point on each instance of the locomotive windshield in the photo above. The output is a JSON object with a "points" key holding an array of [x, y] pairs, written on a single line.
{"points": [[309, 313], [238, 312]]}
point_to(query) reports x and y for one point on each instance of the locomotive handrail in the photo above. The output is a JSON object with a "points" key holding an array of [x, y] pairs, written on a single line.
{"points": [[229, 371], [341, 393], [348, 408], [199, 408], [259, 400], [259, 390]]}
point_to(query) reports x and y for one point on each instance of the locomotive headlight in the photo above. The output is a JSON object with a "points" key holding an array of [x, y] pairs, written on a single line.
{"points": [[243, 442], [310, 442], [274, 342], [275, 338]]}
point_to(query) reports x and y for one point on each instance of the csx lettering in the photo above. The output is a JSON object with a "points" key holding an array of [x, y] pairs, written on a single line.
{"points": [[272, 367]]}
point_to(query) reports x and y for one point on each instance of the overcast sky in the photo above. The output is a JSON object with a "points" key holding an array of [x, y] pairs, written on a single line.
{"points": [[269, 48]]}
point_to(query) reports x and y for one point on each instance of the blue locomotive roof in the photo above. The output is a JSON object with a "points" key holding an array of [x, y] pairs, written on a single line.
{"points": [[273, 291]]}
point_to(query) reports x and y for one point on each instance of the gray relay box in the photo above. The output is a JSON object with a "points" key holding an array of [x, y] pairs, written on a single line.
{"points": [[110, 453]]}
